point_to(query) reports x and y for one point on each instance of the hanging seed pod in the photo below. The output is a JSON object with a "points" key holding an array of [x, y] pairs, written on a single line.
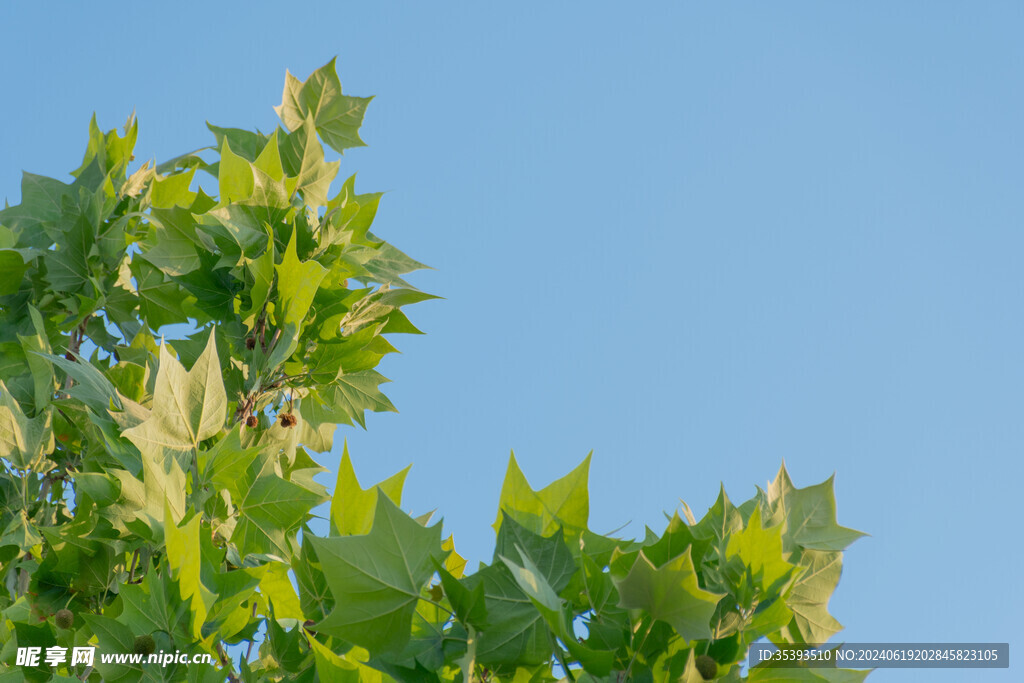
{"points": [[65, 618]]}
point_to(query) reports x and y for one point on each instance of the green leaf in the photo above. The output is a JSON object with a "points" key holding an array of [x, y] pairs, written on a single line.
{"points": [[20, 533], [113, 636], [173, 191], [376, 579], [246, 143], [810, 595], [13, 265], [562, 503], [23, 441], [669, 593], [331, 667], [154, 606], [235, 176], [760, 551], [549, 555], [41, 201], [184, 559], [164, 487], [277, 587], [350, 215], [516, 634], [261, 270], [188, 407], [469, 605], [303, 158], [171, 242], [160, 300], [270, 509], [721, 520], [353, 507], [357, 392], [543, 596], [337, 117], [803, 674], [269, 515], [384, 264], [90, 386], [36, 347], [810, 514], [297, 282]]}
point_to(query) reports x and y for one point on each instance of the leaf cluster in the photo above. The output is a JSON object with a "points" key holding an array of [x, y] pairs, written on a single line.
{"points": [[171, 356]]}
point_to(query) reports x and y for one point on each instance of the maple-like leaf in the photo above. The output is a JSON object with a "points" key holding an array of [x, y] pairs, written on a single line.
{"points": [[376, 579], [188, 407]]}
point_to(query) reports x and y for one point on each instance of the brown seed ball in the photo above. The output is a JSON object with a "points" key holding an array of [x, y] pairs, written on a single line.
{"points": [[706, 667], [288, 420], [144, 645], [250, 343], [65, 618], [252, 422]]}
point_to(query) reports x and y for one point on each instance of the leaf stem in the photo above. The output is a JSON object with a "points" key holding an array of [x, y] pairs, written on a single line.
{"points": [[560, 656], [632, 659]]}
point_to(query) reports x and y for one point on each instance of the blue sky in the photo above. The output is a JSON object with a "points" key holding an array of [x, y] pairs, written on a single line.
{"points": [[698, 240]]}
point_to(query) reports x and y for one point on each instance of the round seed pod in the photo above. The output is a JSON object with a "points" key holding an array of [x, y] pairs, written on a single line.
{"points": [[144, 645], [706, 667], [65, 618]]}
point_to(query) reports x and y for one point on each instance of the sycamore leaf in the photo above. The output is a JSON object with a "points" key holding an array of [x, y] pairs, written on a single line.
{"points": [[41, 200], [36, 347], [20, 533], [331, 667], [721, 520], [261, 270], [184, 558], [188, 407], [235, 176], [171, 242], [535, 586], [799, 674], [269, 513], [562, 503], [303, 158], [297, 282], [516, 633], [278, 588], [154, 605], [760, 551], [669, 593], [23, 441], [376, 579], [549, 555], [810, 595], [164, 486], [113, 636], [810, 515], [358, 392], [173, 190], [13, 264], [352, 507], [337, 117], [90, 386]]}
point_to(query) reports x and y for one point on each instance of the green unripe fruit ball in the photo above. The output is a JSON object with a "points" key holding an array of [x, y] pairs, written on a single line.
{"points": [[144, 645], [65, 618], [706, 667]]}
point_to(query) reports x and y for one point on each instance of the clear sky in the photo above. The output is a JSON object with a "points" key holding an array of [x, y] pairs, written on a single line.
{"points": [[695, 239]]}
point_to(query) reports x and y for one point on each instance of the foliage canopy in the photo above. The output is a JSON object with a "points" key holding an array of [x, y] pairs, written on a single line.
{"points": [[170, 359]]}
